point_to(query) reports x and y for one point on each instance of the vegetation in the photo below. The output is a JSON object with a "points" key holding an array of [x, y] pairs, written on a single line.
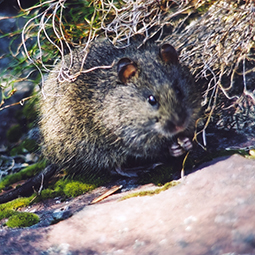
{"points": [[66, 188], [9, 210], [166, 186], [53, 28], [22, 219], [22, 175]]}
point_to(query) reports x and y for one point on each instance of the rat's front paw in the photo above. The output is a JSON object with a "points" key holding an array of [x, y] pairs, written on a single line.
{"points": [[180, 147], [185, 143]]}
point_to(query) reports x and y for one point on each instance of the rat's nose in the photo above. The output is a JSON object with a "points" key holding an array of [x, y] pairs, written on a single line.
{"points": [[176, 124]]}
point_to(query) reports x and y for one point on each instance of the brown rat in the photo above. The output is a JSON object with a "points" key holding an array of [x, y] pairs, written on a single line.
{"points": [[144, 106]]}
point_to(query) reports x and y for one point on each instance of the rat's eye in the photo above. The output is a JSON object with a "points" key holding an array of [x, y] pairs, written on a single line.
{"points": [[152, 100]]}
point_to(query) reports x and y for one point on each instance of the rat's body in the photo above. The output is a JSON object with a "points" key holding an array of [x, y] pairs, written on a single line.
{"points": [[137, 108]]}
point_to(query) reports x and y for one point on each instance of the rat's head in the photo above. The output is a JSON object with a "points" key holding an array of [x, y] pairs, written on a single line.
{"points": [[155, 98]]}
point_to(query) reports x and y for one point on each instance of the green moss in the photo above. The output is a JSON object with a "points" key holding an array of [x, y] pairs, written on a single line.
{"points": [[8, 209], [52, 191], [60, 184], [48, 193], [66, 188], [33, 169], [23, 174], [8, 180], [6, 213], [14, 133], [75, 188], [16, 203], [22, 219]]}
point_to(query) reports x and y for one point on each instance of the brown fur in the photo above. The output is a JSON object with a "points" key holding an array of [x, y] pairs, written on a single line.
{"points": [[98, 121]]}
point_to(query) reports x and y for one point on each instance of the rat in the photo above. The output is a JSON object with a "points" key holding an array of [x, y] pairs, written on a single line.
{"points": [[144, 105]]}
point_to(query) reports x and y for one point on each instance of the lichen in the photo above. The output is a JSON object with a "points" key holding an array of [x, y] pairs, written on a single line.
{"points": [[151, 192]]}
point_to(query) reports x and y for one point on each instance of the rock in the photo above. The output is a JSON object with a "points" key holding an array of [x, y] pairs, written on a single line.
{"points": [[31, 158], [210, 212], [61, 214]]}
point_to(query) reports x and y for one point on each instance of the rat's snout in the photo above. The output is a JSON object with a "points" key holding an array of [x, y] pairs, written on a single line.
{"points": [[176, 123]]}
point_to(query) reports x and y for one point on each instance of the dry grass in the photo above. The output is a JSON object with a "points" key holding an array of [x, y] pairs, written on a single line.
{"points": [[118, 20], [219, 49]]}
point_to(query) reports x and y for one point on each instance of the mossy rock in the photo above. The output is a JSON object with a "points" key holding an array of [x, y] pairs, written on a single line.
{"points": [[23, 174], [22, 219]]}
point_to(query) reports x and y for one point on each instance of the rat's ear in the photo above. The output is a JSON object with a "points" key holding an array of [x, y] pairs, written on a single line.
{"points": [[168, 54], [126, 69]]}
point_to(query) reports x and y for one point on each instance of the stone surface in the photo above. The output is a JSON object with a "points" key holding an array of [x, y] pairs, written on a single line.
{"points": [[210, 212]]}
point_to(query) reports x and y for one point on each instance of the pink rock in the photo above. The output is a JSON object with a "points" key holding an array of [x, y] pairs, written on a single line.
{"points": [[212, 211]]}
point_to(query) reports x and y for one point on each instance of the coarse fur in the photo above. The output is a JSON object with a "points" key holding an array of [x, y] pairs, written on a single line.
{"points": [[98, 121]]}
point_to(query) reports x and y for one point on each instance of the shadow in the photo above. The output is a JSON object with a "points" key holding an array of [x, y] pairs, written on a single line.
{"points": [[21, 241]]}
